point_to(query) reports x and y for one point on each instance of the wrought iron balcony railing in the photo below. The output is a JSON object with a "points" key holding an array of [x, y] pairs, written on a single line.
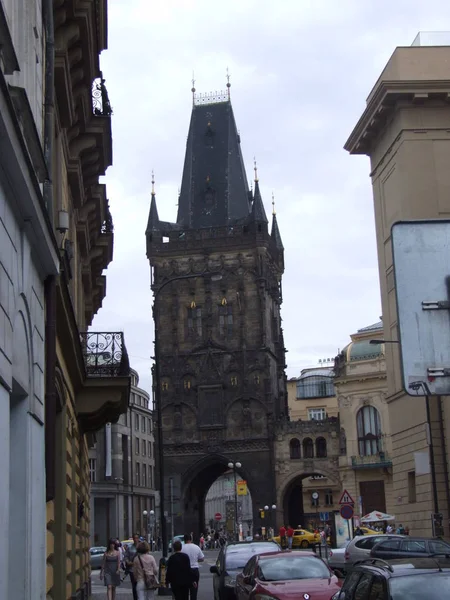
{"points": [[105, 354], [373, 461], [101, 106]]}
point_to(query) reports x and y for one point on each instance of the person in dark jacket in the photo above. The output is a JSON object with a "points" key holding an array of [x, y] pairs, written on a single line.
{"points": [[179, 573]]}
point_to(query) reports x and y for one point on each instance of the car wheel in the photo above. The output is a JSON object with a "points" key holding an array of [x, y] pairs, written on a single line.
{"points": [[304, 544]]}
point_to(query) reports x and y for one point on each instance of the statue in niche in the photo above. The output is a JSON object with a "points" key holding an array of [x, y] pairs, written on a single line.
{"points": [[177, 419], [246, 416], [342, 442]]}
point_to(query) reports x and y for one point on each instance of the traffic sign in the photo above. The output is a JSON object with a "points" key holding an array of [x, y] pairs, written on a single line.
{"points": [[218, 516], [346, 498], [315, 495], [346, 511], [324, 516]]}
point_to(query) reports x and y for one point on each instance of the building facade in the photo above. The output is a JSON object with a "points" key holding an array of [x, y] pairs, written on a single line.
{"points": [[404, 129], [365, 462], [122, 472], [29, 259], [216, 275], [312, 395], [308, 486]]}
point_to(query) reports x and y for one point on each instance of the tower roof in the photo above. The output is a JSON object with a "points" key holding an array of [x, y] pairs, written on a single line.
{"points": [[275, 234], [153, 218], [214, 188], [258, 212]]}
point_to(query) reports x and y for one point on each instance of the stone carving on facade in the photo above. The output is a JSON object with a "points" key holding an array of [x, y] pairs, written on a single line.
{"points": [[344, 401]]}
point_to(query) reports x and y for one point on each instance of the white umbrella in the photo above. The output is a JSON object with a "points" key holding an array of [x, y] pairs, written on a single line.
{"points": [[375, 516]]}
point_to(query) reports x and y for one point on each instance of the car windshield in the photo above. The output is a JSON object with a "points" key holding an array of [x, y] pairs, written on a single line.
{"points": [[280, 568], [417, 587], [238, 556]]}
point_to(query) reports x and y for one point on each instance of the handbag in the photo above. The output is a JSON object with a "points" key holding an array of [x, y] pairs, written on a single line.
{"points": [[150, 581]]}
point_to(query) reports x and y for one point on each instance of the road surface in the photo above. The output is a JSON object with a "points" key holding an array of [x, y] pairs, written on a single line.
{"points": [[205, 590]]}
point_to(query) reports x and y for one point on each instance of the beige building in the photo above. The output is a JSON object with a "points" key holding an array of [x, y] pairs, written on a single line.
{"points": [[365, 465], [312, 396], [405, 130]]}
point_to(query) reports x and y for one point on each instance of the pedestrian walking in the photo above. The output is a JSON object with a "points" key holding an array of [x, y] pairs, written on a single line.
{"points": [[290, 536], [130, 555], [179, 573], [195, 556], [145, 572], [283, 537], [110, 569]]}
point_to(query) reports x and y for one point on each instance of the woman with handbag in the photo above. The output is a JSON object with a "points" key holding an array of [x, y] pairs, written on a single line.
{"points": [[145, 571]]}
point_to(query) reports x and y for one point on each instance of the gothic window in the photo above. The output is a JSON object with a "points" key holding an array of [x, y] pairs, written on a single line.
{"points": [[211, 406], [256, 379], [308, 448], [328, 497], [225, 320], [369, 431], [194, 321], [321, 447], [234, 380], [165, 386], [187, 384], [294, 448]]}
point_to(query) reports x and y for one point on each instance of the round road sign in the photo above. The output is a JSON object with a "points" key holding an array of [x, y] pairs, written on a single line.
{"points": [[218, 516], [347, 511], [315, 495]]}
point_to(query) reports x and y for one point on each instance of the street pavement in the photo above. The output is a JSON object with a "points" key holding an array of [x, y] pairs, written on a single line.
{"points": [[205, 590]]}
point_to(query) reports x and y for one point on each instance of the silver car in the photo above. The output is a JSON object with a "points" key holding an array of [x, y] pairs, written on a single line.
{"points": [[359, 547], [97, 553], [336, 557]]}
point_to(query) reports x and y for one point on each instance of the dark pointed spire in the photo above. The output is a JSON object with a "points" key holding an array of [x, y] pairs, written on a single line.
{"points": [[258, 212], [153, 218], [214, 188], [275, 234]]}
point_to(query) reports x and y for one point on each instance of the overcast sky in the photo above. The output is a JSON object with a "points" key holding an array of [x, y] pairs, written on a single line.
{"points": [[300, 73]]}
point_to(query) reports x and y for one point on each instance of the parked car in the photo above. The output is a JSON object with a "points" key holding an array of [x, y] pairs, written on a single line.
{"points": [[360, 546], [285, 576], [302, 538], [96, 559], [368, 531], [411, 579], [410, 547], [231, 561], [336, 557]]}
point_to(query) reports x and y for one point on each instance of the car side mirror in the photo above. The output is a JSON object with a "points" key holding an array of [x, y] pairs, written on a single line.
{"points": [[214, 569]]}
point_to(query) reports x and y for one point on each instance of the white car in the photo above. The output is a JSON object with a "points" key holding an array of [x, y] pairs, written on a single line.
{"points": [[336, 557], [359, 547]]}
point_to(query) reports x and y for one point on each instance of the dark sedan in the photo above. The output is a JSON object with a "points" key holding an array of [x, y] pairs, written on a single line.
{"points": [[231, 561], [409, 547]]}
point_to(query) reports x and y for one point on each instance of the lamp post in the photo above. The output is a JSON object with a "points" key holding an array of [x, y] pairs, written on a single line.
{"points": [[157, 291], [272, 508], [235, 466], [145, 514]]}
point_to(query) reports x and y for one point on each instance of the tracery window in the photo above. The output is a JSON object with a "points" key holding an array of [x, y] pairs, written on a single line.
{"points": [[194, 321], [225, 320]]}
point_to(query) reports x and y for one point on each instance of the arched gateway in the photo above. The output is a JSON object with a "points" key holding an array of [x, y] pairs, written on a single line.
{"points": [[216, 276]]}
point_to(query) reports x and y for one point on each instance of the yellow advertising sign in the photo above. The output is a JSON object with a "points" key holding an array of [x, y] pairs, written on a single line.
{"points": [[241, 487]]}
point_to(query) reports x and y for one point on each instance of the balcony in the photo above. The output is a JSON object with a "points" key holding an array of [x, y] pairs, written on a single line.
{"points": [[106, 390], [374, 461]]}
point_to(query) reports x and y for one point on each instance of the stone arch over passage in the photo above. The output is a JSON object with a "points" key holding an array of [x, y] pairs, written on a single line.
{"points": [[296, 509], [195, 484]]}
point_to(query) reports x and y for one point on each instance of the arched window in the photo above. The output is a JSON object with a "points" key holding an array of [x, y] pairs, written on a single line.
{"points": [[369, 431], [321, 447], [294, 448], [308, 448]]}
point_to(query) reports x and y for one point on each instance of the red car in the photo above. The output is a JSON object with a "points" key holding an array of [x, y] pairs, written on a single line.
{"points": [[286, 576]]}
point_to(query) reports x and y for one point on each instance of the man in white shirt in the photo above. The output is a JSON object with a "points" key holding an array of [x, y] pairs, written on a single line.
{"points": [[195, 556]]}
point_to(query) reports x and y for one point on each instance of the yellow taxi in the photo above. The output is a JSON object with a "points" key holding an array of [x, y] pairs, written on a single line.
{"points": [[368, 531], [302, 538]]}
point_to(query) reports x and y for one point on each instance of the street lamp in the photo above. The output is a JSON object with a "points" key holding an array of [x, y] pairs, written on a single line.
{"points": [[157, 291], [273, 508], [145, 513], [235, 466]]}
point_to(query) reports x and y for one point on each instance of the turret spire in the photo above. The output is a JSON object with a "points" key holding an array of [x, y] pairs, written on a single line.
{"points": [[153, 218], [275, 233], [258, 212]]}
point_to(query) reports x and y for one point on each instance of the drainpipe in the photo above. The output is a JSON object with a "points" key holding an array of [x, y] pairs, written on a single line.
{"points": [[50, 283], [444, 454]]}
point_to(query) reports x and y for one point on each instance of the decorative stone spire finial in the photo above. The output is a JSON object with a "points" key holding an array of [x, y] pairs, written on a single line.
{"points": [[228, 84], [255, 168], [153, 183], [193, 87], [274, 212]]}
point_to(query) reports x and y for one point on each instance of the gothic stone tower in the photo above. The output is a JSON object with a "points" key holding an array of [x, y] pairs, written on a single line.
{"points": [[221, 349]]}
